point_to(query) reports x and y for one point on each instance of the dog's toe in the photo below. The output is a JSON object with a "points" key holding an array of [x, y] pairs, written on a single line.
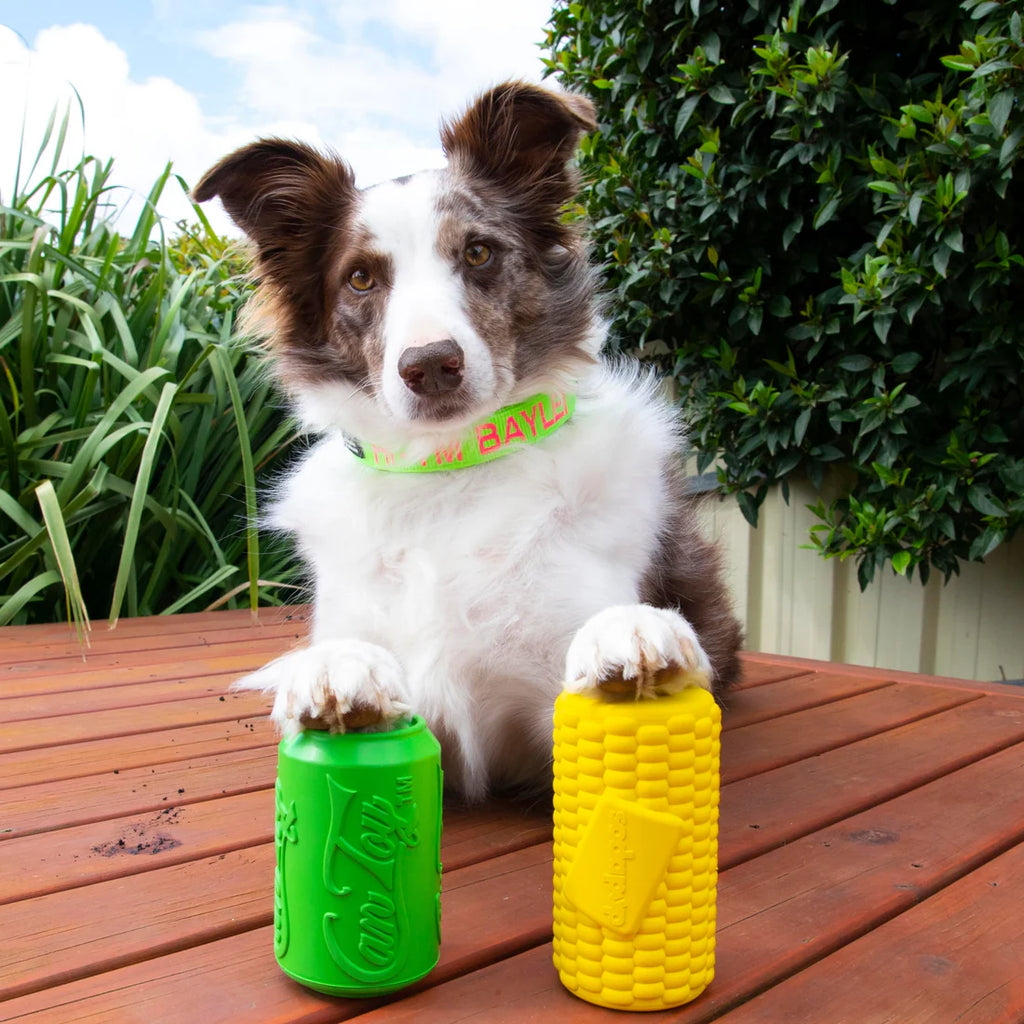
{"points": [[636, 650], [337, 686]]}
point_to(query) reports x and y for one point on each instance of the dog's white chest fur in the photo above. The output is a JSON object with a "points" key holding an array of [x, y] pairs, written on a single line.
{"points": [[401, 315], [477, 579]]}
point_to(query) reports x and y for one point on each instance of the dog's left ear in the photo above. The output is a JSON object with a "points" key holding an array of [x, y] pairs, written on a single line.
{"points": [[521, 136]]}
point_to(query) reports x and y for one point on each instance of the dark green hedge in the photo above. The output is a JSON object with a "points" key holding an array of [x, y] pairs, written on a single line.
{"points": [[810, 217]]}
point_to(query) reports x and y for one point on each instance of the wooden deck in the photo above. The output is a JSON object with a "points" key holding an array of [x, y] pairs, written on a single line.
{"points": [[872, 863]]}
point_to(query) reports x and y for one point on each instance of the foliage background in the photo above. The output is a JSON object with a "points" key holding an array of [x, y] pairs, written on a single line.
{"points": [[134, 431], [809, 216]]}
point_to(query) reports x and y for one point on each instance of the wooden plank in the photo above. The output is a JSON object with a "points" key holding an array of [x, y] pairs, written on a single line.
{"points": [[122, 753], [779, 806], [755, 670], [807, 690], [889, 675], [753, 749], [774, 698], [865, 858], [786, 909], [866, 862], [487, 915], [956, 957], [482, 840], [158, 625], [42, 702], [520, 989], [135, 791], [122, 664], [110, 642], [53, 939], [83, 854], [152, 718], [793, 906], [71, 702], [485, 835], [177, 831], [25, 679]]}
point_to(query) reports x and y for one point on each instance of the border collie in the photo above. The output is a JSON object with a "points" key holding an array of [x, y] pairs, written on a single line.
{"points": [[493, 511]]}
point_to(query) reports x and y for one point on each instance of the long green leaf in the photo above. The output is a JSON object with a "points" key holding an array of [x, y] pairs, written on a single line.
{"points": [[87, 453], [10, 507], [252, 537], [61, 546], [200, 588], [11, 606], [35, 295], [137, 506]]}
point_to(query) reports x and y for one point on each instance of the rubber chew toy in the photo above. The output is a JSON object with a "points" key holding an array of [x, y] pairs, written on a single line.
{"points": [[358, 880], [636, 847]]}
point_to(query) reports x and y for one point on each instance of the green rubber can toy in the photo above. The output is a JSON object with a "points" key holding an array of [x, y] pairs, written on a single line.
{"points": [[357, 888]]}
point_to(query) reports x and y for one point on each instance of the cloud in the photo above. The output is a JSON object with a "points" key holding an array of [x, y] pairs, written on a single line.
{"points": [[290, 72], [370, 80], [378, 78], [477, 43], [141, 124]]}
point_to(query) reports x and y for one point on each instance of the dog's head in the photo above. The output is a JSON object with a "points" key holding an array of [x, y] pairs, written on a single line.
{"points": [[414, 306]]}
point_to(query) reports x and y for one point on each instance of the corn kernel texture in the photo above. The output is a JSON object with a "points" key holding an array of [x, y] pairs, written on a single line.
{"points": [[636, 795]]}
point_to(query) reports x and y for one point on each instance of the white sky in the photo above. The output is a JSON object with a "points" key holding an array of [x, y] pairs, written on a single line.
{"points": [[162, 80]]}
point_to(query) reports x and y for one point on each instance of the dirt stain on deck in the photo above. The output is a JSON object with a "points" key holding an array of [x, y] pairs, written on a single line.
{"points": [[874, 837], [143, 838]]}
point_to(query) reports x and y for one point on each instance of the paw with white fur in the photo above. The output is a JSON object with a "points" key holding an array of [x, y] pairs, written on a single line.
{"points": [[336, 685], [634, 649]]}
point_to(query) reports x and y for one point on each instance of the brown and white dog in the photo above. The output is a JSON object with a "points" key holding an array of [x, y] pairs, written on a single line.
{"points": [[493, 511]]}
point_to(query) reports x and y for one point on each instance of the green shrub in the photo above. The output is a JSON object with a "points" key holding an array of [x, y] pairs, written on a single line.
{"points": [[133, 430], [809, 217]]}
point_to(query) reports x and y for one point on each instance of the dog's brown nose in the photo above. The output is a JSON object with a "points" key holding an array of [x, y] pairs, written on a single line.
{"points": [[432, 369]]}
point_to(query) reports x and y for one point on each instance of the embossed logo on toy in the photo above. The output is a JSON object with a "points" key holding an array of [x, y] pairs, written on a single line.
{"points": [[616, 879], [285, 822], [362, 865]]}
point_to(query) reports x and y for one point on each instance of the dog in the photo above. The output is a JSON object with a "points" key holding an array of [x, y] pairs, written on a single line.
{"points": [[494, 511]]}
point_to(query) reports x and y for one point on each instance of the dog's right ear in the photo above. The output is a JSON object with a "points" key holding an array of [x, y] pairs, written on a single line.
{"points": [[277, 191], [293, 202]]}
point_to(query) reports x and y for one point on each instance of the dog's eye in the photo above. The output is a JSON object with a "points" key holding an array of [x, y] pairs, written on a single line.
{"points": [[361, 280], [477, 254]]}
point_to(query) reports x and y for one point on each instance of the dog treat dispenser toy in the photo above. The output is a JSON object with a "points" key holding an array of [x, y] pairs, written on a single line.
{"points": [[636, 794], [358, 836]]}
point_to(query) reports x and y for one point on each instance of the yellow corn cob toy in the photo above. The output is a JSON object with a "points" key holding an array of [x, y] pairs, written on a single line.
{"points": [[636, 847]]}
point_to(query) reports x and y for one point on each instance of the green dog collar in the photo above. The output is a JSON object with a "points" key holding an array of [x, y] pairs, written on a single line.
{"points": [[512, 426]]}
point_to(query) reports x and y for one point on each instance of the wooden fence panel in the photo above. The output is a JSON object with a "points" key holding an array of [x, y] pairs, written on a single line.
{"points": [[794, 602]]}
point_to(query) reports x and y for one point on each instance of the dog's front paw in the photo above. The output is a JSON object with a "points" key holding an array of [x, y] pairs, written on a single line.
{"points": [[635, 649], [337, 685]]}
